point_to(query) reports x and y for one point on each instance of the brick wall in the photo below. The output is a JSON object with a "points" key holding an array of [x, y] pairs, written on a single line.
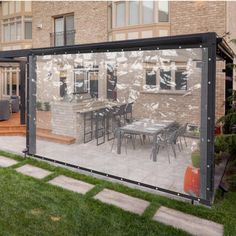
{"points": [[197, 17], [90, 20]]}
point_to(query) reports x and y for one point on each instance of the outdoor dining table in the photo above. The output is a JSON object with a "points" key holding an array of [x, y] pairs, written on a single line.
{"points": [[143, 127]]}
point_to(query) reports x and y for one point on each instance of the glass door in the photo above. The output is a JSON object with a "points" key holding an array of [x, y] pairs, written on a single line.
{"points": [[69, 30], [59, 31]]}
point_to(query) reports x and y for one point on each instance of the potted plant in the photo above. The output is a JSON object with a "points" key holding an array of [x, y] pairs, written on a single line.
{"points": [[192, 175], [47, 106], [39, 106]]}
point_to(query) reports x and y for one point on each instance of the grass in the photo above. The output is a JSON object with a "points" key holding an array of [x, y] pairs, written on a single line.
{"points": [[33, 207]]}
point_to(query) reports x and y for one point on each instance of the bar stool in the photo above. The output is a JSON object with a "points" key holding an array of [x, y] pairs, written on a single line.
{"points": [[100, 125]]}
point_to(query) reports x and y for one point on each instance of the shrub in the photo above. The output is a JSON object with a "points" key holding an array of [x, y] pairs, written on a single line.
{"points": [[226, 143], [228, 121]]}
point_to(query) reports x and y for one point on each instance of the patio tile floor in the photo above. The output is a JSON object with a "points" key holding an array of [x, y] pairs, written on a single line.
{"points": [[135, 165], [6, 162], [189, 223], [33, 171], [71, 184], [122, 201]]}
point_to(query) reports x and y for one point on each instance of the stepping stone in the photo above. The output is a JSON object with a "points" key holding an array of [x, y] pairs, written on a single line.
{"points": [[191, 224], [122, 201], [6, 162], [71, 184], [33, 171]]}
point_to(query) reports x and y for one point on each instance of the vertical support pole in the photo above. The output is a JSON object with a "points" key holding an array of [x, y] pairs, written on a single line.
{"points": [[22, 92], [32, 106], [208, 118]]}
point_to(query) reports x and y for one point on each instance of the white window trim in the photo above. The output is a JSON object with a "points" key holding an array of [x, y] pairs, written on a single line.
{"points": [[5, 73]]}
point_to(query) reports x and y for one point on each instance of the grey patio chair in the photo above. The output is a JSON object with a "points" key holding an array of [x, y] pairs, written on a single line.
{"points": [[100, 125], [181, 135], [124, 137], [15, 104], [4, 110], [166, 140], [129, 113], [119, 112]]}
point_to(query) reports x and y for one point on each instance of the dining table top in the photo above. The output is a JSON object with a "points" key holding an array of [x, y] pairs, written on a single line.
{"points": [[146, 126]]}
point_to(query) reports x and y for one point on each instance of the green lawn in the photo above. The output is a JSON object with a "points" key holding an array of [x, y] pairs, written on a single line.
{"points": [[33, 207]]}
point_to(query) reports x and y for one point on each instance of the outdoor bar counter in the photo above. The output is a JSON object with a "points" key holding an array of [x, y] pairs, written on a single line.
{"points": [[68, 117]]}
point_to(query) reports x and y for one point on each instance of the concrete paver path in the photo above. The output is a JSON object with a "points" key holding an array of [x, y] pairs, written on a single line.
{"points": [[123, 201], [189, 223], [33, 171], [6, 162], [71, 184]]}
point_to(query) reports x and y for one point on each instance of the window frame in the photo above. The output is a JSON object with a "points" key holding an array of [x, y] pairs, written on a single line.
{"points": [[15, 20], [138, 13], [64, 32], [125, 14], [8, 74], [157, 88], [158, 11], [153, 12], [155, 17]]}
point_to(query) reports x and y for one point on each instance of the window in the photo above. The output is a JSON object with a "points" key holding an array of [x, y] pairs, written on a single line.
{"points": [[165, 79], [12, 29], [163, 11], [5, 8], [11, 7], [110, 23], [134, 12], [86, 80], [18, 30], [170, 76], [6, 32], [180, 79], [148, 16], [28, 28], [151, 76], [18, 6], [120, 14], [27, 6], [11, 83], [64, 33], [139, 12], [80, 81]]}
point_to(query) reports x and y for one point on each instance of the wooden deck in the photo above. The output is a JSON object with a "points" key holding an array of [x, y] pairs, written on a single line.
{"points": [[12, 127]]}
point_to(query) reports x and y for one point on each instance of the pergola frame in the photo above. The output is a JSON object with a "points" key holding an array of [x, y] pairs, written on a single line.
{"points": [[203, 40]]}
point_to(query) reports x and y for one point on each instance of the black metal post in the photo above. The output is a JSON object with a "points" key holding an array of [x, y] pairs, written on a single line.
{"points": [[22, 92], [32, 106]]}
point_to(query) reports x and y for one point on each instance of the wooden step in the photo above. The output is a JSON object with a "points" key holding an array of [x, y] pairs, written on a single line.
{"points": [[44, 134], [55, 138], [12, 133], [13, 128], [43, 130]]}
